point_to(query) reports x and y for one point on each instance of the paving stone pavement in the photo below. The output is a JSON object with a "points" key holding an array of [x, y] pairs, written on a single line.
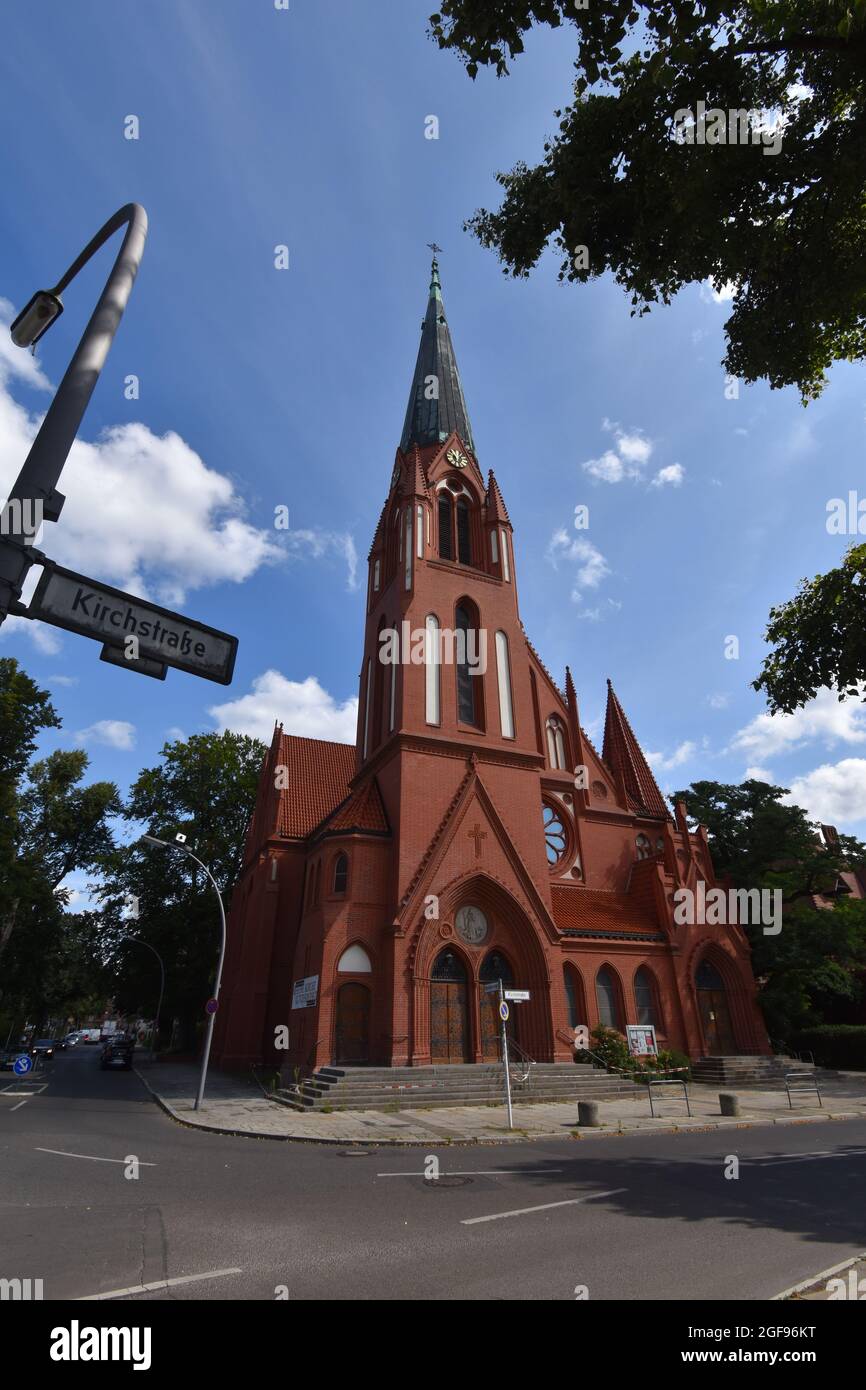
{"points": [[236, 1105]]}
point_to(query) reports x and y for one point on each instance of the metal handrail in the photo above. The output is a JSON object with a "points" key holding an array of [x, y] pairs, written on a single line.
{"points": [[529, 1062]]}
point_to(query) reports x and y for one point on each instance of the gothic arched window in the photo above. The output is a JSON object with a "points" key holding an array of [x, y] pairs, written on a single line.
{"points": [[607, 998], [469, 695], [645, 997], [446, 543], [341, 873], [464, 542], [644, 848], [556, 743], [573, 996], [433, 670]]}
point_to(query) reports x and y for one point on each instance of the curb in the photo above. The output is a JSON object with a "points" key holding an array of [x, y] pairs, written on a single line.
{"points": [[433, 1141]]}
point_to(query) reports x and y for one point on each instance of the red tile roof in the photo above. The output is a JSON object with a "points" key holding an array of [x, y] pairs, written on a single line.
{"points": [[318, 776], [589, 909], [362, 811]]}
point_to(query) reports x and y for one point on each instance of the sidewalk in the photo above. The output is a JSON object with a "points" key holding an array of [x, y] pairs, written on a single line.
{"points": [[235, 1105]]}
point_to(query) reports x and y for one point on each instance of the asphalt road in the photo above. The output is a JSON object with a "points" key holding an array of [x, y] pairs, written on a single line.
{"points": [[634, 1217]]}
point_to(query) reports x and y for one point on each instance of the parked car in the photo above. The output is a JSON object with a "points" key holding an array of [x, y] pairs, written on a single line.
{"points": [[71, 1039], [44, 1047], [117, 1052]]}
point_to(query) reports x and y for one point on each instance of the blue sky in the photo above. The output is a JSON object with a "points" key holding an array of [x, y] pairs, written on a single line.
{"points": [[262, 388]]}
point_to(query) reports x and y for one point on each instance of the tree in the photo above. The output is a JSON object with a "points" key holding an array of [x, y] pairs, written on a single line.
{"points": [[821, 637], [757, 842], [785, 229], [206, 788], [25, 711]]}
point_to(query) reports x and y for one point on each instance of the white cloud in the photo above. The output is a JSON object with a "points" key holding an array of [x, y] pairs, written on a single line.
{"points": [[302, 707], [631, 452], [680, 755], [112, 733], [42, 635], [671, 476], [723, 295], [718, 701], [316, 544], [834, 793], [826, 717], [590, 566], [62, 680], [147, 505], [16, 361], [759, 774]]}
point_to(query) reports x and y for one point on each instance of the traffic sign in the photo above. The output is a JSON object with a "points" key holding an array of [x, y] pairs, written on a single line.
{"points": [[504, 1011], [211, 1006], [491, 989], [93, 609], [22, 1065], [517, 996]]}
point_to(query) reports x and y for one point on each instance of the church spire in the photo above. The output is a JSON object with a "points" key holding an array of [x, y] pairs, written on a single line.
{"points": [[436, 402], [623, 755]]}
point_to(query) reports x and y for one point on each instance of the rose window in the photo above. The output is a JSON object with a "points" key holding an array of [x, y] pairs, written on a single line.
{"points": [[555, 835]]}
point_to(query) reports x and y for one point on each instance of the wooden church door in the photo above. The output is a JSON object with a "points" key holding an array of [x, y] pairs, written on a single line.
{"points": [[449, 1015], [495, 968], [715, 1014], [353, 1024]]}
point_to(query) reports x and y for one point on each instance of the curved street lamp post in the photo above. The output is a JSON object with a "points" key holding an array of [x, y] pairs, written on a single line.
{"points": [[179, 844], [36, 484]]}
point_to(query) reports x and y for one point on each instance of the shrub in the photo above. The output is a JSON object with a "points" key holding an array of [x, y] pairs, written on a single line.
{"points": [[834, 1044]]}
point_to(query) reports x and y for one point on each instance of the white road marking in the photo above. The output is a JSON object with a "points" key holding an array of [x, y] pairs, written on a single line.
{"points": [[548, 1206], [92, 1157], [20, 1103], [9, 1091], [824, 1274], [800, 1157], [158, 1284], [474, 1173]]}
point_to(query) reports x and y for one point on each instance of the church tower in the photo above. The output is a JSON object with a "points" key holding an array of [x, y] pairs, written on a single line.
{"points": [[473, 833]]}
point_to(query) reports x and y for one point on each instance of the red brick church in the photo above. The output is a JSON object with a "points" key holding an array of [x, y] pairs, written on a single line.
{"points": [[473, 833]]}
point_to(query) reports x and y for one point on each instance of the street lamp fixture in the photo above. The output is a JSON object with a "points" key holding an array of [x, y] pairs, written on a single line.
{"points": [[36, 318], [179, 842]]}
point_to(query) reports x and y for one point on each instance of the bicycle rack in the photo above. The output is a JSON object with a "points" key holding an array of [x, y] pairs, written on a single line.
{"points": [[677, 1081]]}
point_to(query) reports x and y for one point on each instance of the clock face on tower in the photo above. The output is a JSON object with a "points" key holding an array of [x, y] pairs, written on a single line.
{"points": [[471, 925], [455, 457]]}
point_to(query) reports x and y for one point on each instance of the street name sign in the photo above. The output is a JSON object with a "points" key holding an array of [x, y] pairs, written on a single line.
{"points": [[517, 996], [93, 609]]}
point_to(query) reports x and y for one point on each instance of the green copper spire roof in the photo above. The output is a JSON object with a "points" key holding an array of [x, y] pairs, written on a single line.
{"points": [[436, 403]]}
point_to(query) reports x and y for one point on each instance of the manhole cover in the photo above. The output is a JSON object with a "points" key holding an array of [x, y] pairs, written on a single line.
{"points": [[448, 1180]]}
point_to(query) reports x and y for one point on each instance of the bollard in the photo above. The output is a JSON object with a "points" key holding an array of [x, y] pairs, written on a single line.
{"points": [[587, 1113], [729, 1103]]}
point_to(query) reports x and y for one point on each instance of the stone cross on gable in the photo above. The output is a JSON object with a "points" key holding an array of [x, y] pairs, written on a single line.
{"points": [[477, 834]]}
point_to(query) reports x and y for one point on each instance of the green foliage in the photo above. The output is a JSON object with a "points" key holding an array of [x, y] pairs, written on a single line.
{"points": [[786, 229], [756, 842], [821, 638], [206, 787], [834, 1045]]}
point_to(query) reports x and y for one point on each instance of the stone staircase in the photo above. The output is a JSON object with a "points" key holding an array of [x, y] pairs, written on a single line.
{"points": [[749, 1071], [401, 1088]]}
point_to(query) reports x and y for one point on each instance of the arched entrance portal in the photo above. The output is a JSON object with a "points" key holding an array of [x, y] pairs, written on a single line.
{"points": [[353, 1025], [494, 968], [449, 1014], [714, 1011]]}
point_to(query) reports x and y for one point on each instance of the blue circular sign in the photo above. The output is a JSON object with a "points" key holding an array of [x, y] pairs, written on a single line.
{"points": [[22, 1065], [503, 1011]]}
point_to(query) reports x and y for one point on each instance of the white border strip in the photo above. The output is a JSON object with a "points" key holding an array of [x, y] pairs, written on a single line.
{"points": [[548, 1206]]}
